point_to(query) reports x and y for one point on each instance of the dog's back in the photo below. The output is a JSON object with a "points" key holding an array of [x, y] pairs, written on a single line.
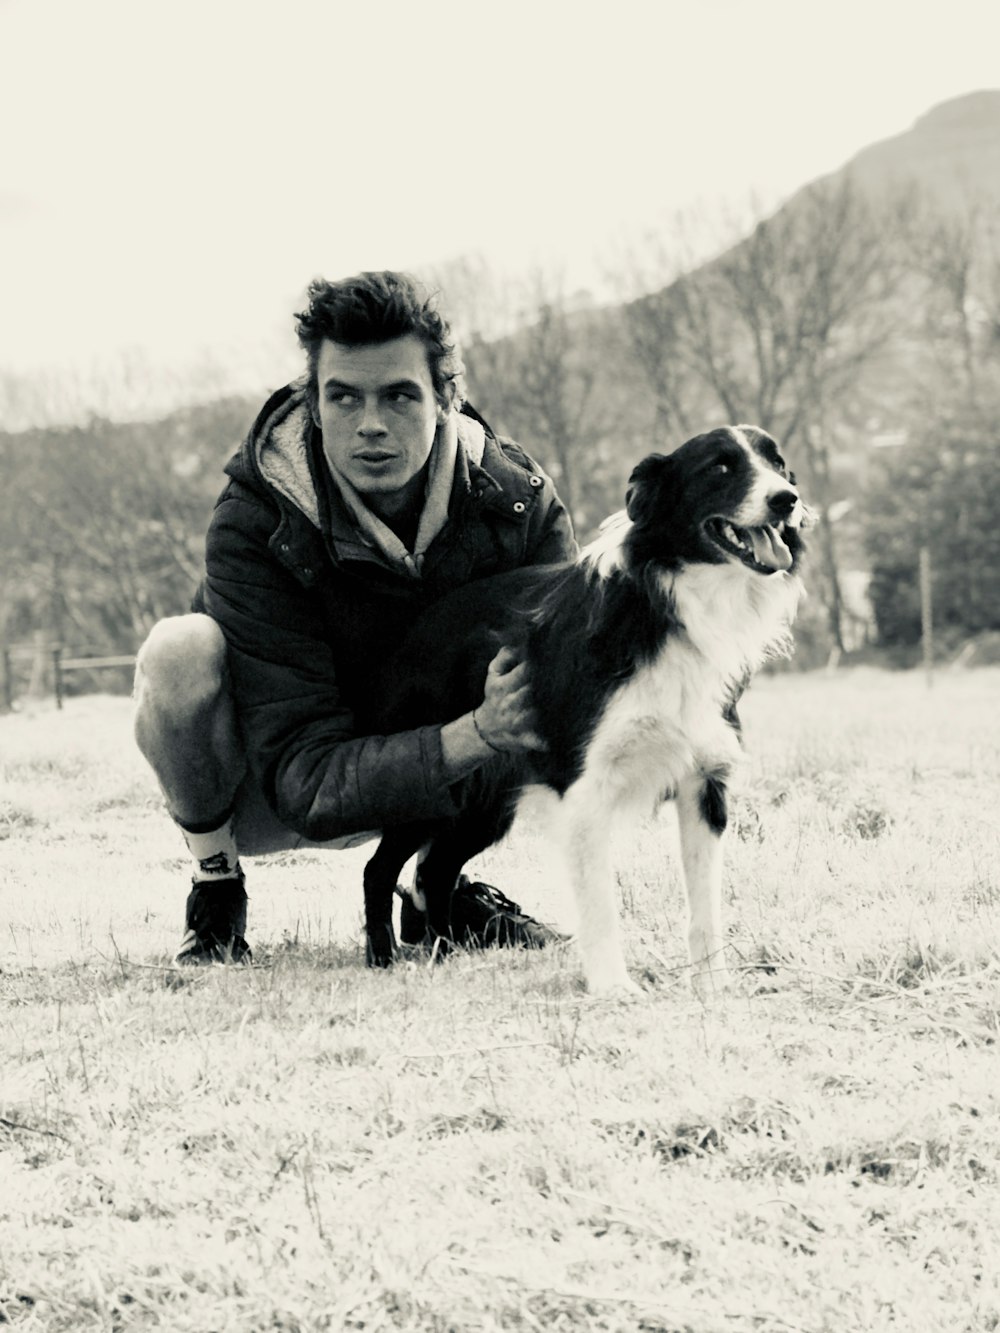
{"points": [[437, 672]]}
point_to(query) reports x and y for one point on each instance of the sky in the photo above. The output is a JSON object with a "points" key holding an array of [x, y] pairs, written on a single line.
{"points": [[173, 174]]}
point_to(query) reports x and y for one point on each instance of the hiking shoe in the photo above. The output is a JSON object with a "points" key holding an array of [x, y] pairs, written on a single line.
{"points": [[215, 917], [480, 917]]}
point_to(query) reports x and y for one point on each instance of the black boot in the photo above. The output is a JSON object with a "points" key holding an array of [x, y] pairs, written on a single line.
{"points": [[479, 917], [215, 919]]}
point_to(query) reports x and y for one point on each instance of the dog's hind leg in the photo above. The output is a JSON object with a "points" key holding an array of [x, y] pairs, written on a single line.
{"points": [[381, 873], [702, 815], [453, 845]]}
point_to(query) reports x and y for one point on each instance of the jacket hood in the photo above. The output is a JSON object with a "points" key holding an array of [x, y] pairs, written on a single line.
{"points": [[280, 440]]}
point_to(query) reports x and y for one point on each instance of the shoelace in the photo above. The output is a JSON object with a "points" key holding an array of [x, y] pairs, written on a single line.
{"points": [[499, 900]]}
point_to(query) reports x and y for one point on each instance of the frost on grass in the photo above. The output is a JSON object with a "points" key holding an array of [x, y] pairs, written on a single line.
{"points": [[306, 1145]]}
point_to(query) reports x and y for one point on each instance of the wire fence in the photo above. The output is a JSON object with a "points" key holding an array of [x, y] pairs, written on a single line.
{"points": [[41, 669]]}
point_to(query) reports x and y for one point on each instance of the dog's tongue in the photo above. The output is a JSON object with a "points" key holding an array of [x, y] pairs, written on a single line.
{"points": [[768, 548]]}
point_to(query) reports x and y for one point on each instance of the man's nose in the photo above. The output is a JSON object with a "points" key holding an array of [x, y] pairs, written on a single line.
{"points": [[371, 420]]}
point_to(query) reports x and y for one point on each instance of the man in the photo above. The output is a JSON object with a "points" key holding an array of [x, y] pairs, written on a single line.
{"points": [[363, 492]]}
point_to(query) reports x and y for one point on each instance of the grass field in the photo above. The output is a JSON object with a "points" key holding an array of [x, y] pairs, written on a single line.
{"points": [[306, 1145]]}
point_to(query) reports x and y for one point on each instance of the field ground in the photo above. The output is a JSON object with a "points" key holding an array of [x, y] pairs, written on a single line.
{"points": [[306, 1145]]}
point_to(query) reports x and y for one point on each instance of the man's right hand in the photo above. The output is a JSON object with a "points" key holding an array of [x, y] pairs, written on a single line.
{"points": [[505, 719]]}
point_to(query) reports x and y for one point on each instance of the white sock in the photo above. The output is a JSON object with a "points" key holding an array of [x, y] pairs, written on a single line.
{"points": [[214, 850]]}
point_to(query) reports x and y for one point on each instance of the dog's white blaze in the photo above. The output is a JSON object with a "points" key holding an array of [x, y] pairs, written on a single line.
{"points": [[663, 730], [754, 512]]}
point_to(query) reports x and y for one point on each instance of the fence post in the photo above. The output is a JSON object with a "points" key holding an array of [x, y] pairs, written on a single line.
{"points": [[8, 683], [57, 674], [927, 614]]}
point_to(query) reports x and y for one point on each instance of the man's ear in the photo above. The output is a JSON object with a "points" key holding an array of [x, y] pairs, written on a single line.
{"points": [[643, 483], [314, 409], [445, 402]]}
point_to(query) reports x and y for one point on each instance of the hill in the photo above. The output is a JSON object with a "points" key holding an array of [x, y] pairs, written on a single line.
{"points": [[950, 152]]}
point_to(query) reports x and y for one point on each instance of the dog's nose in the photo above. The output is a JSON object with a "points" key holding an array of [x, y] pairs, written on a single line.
{"points": [[782, 503]]}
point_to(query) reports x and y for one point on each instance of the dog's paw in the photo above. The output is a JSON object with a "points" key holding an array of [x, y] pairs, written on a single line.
{"points": [[380, 947]]}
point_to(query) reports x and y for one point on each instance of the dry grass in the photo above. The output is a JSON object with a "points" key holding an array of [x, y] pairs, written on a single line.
{"points": [[306, 1145]]}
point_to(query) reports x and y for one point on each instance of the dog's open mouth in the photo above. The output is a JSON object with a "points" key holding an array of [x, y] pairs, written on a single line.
{"points": [[762, 549]]}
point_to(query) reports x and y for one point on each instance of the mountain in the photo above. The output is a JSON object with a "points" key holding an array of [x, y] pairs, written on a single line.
{"points": [[951, 151], [907, 290]]}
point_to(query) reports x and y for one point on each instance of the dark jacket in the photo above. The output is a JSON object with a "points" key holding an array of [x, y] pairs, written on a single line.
{"points": [[307, 607]]}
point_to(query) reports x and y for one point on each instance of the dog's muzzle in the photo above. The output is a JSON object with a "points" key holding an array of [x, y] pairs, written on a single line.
{"points": [[761, 549]]}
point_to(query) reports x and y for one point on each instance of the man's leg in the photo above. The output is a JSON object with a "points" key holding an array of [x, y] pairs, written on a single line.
{"points": [[185, 725]]}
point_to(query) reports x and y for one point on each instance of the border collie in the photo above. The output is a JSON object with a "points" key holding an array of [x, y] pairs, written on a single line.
{"points": [[637, 654]]}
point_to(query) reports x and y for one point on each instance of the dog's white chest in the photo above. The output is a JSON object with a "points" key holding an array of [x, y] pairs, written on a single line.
{"points": [[661, 726]]}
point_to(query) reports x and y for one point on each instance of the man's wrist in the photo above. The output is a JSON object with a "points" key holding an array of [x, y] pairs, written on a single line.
{"points": [[483, 737], [463, 748]]}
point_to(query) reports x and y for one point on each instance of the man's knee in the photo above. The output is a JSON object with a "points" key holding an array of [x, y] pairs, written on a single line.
{"points": [[182, 664]]}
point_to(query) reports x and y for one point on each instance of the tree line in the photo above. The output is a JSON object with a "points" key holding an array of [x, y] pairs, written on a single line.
{"points": [[863, 333]]}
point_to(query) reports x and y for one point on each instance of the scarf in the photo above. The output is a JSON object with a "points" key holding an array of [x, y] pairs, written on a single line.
{"points": [[444, 459]]}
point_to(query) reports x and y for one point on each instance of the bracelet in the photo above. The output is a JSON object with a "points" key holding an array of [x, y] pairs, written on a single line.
{"points": [[485, 739]]}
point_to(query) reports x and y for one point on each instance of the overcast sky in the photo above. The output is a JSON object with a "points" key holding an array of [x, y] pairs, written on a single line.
{"points": [[172, 174]]}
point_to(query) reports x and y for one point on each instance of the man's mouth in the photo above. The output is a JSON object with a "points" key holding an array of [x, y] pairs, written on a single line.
{"points": [[375, 456], [762, 549]]}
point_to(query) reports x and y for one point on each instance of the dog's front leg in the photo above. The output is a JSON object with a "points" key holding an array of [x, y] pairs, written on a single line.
{"points": [[701, 812], [586, 830]]}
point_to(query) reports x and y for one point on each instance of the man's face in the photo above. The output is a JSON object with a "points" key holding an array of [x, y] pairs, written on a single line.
{"points": [[378, 412]]}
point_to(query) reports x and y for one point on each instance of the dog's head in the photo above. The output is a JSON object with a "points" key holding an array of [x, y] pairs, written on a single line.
{"points": [[723, 497]]}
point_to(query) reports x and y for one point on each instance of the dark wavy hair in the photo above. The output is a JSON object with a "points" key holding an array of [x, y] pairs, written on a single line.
{"points": [[375, 308]]}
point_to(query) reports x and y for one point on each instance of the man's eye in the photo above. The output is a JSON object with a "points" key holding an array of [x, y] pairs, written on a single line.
{"points": [[401, 396], [340, 396]]}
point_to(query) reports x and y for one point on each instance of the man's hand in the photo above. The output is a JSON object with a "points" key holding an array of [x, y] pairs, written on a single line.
{"points": [[505, 719], [504, 723]]}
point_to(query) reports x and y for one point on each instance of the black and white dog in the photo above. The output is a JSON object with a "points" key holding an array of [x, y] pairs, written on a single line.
{"points": [[637, 654]]}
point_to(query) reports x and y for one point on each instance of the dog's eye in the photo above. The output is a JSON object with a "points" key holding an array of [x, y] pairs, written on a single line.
{"points": [[721, 468]]}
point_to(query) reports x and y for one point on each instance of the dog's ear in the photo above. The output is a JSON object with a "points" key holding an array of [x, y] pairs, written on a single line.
{"points": [[644, 481]]}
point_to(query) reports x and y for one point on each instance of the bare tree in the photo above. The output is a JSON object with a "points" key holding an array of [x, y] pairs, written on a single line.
{"points": [[551, 388], [779, 330], [102, 527], [953, 254], [484, 311], [653, 323], [533, 368]]}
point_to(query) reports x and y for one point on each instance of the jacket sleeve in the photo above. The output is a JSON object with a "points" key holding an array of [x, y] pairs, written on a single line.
{"points": [[323, 780]]}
